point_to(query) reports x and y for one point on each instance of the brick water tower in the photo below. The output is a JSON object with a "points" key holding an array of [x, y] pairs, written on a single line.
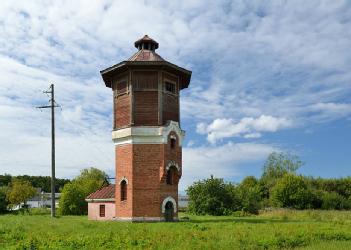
{"points": [[146, 133]]}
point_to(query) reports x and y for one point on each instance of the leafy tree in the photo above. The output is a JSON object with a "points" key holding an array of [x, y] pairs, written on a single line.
{"points": [[342, 186], [72, 200], [91, 179], [210, 196], [279, 164], [276, 166], [3, 200], [292, 191], [20, 191], [249, 181], [5, 180]]}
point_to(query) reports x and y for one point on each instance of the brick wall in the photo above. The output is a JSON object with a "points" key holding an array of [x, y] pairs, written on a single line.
{"points": [[146, 166], [124, 160]]}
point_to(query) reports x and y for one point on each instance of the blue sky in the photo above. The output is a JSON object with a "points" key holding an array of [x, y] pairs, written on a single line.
{"points": [[267, 76]]}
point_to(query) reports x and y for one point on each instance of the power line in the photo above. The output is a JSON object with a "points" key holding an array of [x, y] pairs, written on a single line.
{"points": [[52, 106]]}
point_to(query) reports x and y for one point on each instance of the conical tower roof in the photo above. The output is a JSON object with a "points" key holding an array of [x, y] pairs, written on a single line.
{"points": [[146, 58]]}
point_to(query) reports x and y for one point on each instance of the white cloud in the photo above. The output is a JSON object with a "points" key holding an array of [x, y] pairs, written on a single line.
{"points": [[323, 112], [247, 127]]}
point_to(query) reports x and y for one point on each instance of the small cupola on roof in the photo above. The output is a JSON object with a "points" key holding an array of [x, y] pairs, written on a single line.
{"points": [[146, 43]]}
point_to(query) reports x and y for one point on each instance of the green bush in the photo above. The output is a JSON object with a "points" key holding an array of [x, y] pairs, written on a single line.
{"points": [[291, 191], [209, 196], [250, 195], [72, 200], [3, 200], [333, 200]]}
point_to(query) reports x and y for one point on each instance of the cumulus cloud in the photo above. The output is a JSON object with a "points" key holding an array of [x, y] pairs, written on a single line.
{"points": [[247, 127]]}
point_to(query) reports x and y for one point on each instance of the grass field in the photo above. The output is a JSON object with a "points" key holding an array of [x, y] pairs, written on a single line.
{"points": [[281, 229]]}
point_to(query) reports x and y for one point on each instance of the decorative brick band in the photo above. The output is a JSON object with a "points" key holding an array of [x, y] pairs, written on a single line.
{"points": [[147, 134]]}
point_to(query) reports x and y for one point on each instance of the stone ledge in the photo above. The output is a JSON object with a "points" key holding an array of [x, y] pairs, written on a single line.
{"points": [[147, 134]]}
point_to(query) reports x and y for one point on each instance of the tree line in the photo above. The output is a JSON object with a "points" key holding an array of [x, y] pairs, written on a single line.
{"points": [[42, 182], [16, 190], [278, 187]]}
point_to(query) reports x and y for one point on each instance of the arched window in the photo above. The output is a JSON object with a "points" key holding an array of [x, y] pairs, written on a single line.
{"points": [[171, 172], [169, 179], [123, 190]]}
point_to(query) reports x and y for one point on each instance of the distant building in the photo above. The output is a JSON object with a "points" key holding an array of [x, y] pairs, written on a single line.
{"points": [[40, 199], [101, 204]]}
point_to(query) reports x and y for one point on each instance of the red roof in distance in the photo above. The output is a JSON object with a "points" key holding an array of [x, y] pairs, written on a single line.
{"points": [[107, 192]]}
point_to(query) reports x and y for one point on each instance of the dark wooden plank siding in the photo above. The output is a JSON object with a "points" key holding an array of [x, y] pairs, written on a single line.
{"points": [[170, 108], [122, 110], [145, 108]]}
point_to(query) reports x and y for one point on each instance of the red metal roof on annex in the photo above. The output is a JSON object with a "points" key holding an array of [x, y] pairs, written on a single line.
{"points": [[107, 192]]}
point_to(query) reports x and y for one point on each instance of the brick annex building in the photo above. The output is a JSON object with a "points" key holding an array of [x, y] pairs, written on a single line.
{"points": [[147, 137]]}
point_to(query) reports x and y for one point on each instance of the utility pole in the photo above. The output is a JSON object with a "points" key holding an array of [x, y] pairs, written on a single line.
{"points": [[52, 105]]}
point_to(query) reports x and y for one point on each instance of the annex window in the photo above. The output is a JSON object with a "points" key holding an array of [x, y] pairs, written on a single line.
{"points": [[170, 87], [102, 210], [123, 190]]}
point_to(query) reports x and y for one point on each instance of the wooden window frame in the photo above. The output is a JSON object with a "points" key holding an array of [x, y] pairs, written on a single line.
{"points": [[102, 210], [173, 86]]}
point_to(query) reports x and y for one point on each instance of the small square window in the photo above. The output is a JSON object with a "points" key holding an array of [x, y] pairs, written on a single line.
{"points": [[170, 87]]}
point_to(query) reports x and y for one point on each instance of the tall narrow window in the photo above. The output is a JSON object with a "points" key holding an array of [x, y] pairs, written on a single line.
{"points": [[102, 210], [123, 190], [173, 143], [169, 179]]}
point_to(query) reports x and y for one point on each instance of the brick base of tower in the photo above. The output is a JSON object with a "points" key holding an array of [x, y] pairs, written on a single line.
{"points": [[144, 167]]}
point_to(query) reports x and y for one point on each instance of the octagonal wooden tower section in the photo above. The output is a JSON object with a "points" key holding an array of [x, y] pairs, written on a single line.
{"points": [[146, 133]]}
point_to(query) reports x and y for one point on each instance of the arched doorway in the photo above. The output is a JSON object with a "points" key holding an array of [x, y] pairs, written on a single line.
{"points": [[169, 211]]}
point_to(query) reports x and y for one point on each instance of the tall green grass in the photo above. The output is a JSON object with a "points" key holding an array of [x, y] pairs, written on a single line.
{"points": [[283, 229]]}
